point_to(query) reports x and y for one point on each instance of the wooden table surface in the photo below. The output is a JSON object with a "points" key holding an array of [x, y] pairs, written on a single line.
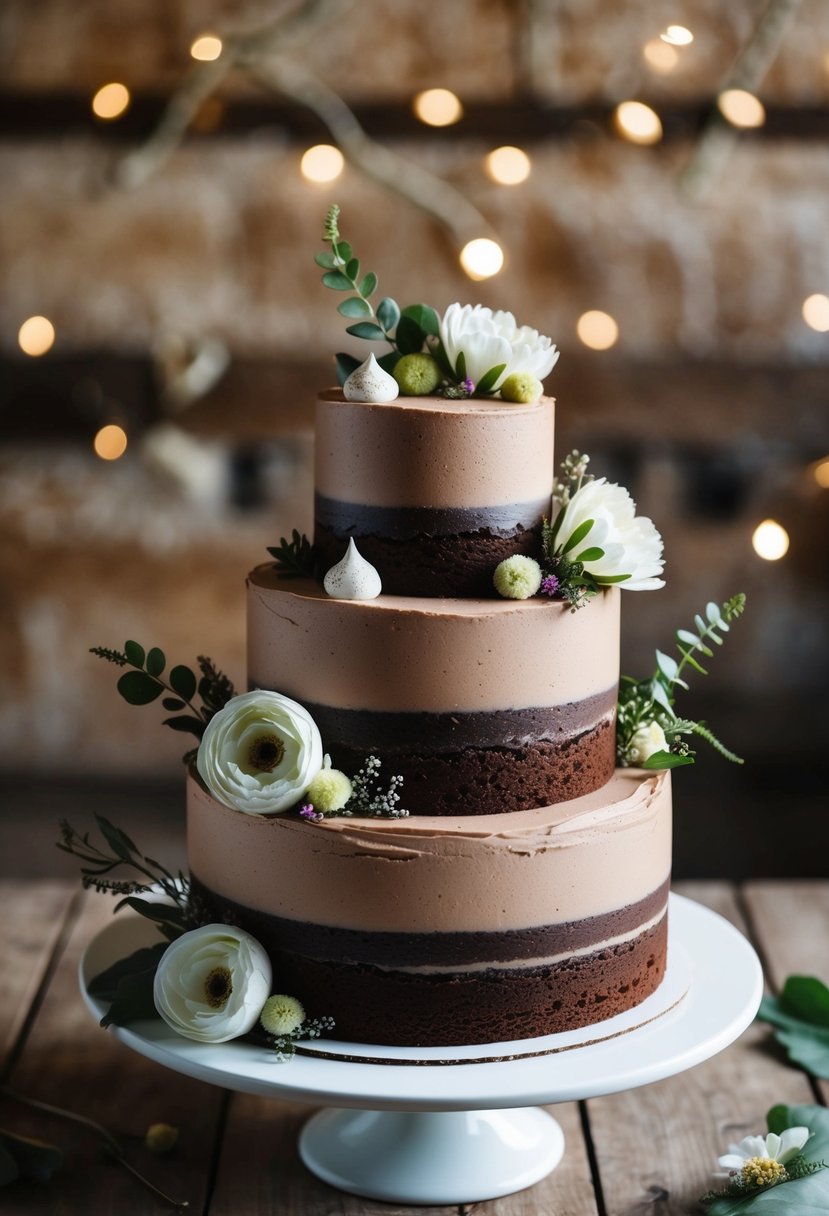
{"points": [[648, 1152]]}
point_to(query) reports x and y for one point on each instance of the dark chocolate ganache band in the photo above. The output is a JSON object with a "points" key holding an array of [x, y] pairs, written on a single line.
{"points": [[409, 523], [441, 733], [437, 950]]}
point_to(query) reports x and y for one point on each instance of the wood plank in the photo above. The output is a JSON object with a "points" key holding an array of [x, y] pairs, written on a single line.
{"points": [[32, 916], [657, 1146], [791, 920], [70, 1062], [263, 1131]]}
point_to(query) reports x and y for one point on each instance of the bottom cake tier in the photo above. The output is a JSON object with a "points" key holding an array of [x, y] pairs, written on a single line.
{"points": [[435, 931]]}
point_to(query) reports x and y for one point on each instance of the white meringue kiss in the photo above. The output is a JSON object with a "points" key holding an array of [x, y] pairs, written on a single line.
{"points": [[353, 578], [370, 383]]}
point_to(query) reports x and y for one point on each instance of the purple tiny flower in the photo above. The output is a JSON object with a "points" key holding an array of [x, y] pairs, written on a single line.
{"points": [[308, 812], [549, 585], [468, 387]]}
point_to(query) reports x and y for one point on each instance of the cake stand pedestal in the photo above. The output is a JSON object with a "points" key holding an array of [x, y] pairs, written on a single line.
{"points": [[444, 1125]]}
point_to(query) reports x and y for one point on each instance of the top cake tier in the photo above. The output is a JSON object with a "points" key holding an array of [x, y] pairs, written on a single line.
{"points": [[435, 492]]}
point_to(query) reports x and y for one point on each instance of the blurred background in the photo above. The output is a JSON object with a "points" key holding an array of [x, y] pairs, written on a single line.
{"points": [[647, 183]]}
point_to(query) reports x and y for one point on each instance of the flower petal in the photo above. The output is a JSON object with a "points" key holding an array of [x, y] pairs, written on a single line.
{"points": [[792, 1141]]}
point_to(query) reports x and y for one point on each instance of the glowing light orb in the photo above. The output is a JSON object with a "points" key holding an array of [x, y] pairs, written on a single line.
{"points": [[35, 336], [816, 312], [110, 101], [770, 540], [482, 258], [597, 329], [206, 47], [438, 107], [638, 123], [741, 108], [110, 443], [322, 163], [508, 166]]}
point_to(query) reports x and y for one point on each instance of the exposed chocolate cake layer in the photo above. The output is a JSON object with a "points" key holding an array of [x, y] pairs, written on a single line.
{"points": [[401, 733], [373, 1005], [491, 780], [461, 565], [429, 950], [346, 519]]}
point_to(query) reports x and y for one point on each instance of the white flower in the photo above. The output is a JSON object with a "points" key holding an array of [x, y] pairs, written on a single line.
{"points": [[630, 544], [211, 983], [487, 339], [645, 742], [260, 753], [282, 1015], [760, 1161]]}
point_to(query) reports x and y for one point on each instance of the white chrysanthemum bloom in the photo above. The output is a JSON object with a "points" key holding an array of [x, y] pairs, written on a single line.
{"points": [[645, 742], [211, 983], [260, 752], [630, 544], [487, 339], [761, 1160]]}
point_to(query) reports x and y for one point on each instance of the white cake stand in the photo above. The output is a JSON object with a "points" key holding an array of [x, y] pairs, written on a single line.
{"points": [[462, 1124]]}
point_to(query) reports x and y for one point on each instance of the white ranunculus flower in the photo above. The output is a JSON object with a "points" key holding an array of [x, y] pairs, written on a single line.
{"points": [[260, 752], [646, 741], [774, 1148], [629, 542], [488, 338], [211, 983]]}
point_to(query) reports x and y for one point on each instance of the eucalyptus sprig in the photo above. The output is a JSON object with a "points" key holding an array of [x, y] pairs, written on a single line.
{"points": [[406, 330], [146, 683], [294, 558], [643, 703]]}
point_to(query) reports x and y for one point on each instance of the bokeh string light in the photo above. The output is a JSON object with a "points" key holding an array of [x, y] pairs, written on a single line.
{"points": [[816, 312], [677, 35], [597, 329], [110, 101], [438, 107], [660, 56], [741, 108], [36, 336], [322, 163], [637, 122], [770, 540], [481, 258], [110, 442], [206, 48], [507, 166]]}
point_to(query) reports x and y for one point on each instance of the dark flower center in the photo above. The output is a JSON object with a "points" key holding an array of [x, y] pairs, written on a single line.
{"points": [[266, 753], [217, 987]]}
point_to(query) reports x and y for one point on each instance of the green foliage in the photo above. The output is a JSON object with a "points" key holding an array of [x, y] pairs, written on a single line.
{"points": [[295, 557], [100, 863], [407, 331], [146, 684], [642, 702], [128, 985], [800, 1016], [807, 1191]]}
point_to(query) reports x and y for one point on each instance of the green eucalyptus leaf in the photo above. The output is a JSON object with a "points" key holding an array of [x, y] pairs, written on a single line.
{"points": [[666, 760], [344, 252], [134, 653], [326, 260], [366, 329], [388, 313], [368, 285], [488, 380], [138, 688], [183, 681], [354, 307], [116, 838], [104, 986], [667, 665], [806, 997], [424, 317], [168, 918], [337, 281], [409, 336], [576, 537], [607, 580], [156, 661], [345, 365], [712, 611], [460, 367], [442, 359], [172, 704], [185, 723], [660, 695], [594, 554], [690, 639], [133, 1000], [389, 362], [352, 269]]}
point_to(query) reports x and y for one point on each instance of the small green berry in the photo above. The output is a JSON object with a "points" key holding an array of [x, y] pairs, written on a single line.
{"points": [[161, 1138], [522, 388], [417, 375]]}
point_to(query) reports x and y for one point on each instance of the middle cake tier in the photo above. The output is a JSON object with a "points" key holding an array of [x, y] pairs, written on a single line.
{"points": [[482, 706]]}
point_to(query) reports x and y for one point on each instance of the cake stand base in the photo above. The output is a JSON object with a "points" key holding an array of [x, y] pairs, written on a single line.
{"points": [[438, 1157], [449, 1125]]}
